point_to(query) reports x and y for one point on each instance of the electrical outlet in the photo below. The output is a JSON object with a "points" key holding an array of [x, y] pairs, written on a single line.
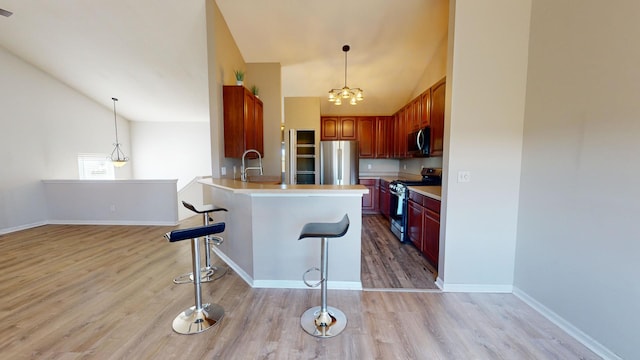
{"points": [[464, 176], [112, 208], [404, 166], [369, 166], [223, 171]]}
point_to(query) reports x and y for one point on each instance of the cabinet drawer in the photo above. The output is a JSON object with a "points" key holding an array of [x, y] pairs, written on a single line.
{"points": [[416, 197], [431, 204]]}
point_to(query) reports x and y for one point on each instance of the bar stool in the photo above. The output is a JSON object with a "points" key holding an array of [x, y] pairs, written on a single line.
{"points": [[323, 321], [200, 317], [208, 272]]}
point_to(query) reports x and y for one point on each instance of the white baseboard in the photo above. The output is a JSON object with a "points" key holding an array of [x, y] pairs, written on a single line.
{"points": [[295, 284], [243, 275], [22, 227], [283, 284], [565, 325], [112, 222], [85, 222], [474, 288]]}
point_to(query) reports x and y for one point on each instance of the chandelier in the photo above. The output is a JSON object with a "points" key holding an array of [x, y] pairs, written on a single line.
{"points": [[117, 156], [354, 95]]}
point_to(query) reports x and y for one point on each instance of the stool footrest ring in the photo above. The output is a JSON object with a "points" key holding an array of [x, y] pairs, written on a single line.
{"points": [[216, 240], [304, 278]]}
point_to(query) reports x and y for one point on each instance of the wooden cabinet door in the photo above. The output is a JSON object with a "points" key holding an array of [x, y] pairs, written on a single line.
{"points": [[425, 108], [370, 200], [414, 218], [413, 115], [401, 135], [437, 117], [243, 121], [329, 128], [384, 136], [384, 198], [431, 236], [366, 136], [347, 128], [395, 149]]}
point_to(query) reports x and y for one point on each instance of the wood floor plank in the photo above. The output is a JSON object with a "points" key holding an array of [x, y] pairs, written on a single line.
{"points": [[389, 264], [106, 292]]}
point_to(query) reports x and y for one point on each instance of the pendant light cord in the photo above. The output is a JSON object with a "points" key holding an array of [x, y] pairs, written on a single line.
{"points": [[346, 50], [115, 120]]}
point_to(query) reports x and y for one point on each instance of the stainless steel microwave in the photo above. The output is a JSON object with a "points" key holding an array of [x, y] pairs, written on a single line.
{"points": [[418, 142]]}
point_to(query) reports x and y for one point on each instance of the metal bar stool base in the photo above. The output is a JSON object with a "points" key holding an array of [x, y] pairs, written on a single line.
{"points": [[206, 275], [312, 316], [191, 321]]}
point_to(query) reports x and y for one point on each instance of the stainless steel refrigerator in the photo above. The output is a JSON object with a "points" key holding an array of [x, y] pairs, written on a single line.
{"points": [[339, 162]]}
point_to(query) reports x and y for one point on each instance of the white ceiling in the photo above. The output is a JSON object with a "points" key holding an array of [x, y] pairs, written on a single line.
{"points": [[151, 54]]}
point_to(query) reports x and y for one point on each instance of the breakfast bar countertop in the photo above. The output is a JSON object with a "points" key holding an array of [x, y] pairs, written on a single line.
{"points": [[248, 187]]}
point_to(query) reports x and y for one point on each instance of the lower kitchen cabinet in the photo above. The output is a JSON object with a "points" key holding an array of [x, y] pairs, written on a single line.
{"points": [[384, 198], [431, 236], [370, 200], [424, 225], [415, 223]]}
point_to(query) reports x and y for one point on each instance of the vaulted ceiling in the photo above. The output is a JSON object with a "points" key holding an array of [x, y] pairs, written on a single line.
{"points": [[151, 54]]}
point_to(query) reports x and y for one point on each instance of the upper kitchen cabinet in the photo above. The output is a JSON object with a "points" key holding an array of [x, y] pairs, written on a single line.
{"points": [[384, 139], [414, 114], [366, 133], [400, 135], [425, 113], [437, 117], [243, 121], [337, 128]]}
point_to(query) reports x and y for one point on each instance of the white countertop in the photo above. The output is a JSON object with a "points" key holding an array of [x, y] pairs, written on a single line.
{"points": [[434, 192], [258, 188]]}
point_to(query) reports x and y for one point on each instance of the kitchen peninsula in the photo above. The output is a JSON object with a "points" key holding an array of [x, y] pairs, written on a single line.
{"points": [[263, 224]]}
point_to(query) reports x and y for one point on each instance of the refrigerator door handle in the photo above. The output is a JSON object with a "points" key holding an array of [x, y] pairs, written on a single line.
{"points": [[340, 166]]}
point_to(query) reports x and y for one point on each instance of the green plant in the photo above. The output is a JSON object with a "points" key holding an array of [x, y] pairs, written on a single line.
{"points": [[255, 90], [239, 74]]}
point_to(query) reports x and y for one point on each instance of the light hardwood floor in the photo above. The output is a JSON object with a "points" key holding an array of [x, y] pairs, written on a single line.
{"points": [[389, 264], [105, 292]]}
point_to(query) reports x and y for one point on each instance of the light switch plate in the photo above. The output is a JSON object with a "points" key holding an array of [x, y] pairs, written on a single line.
{"points": [[464, 176]]}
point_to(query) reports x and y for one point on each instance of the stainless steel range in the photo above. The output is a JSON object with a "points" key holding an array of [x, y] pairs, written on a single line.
{"points": [[400, 197]]}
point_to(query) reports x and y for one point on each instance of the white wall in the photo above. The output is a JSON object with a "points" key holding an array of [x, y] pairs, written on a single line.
{"points": [[578, 234], [118, 202], [44, 124], [165, 150], [268, 79], [483, 134]]}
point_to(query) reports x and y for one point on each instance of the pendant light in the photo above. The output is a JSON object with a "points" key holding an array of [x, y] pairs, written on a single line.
{"points": [[354, 95], [117, 155]]}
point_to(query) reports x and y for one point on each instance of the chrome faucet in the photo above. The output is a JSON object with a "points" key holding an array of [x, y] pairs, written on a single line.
{"points": [[243, 169]]}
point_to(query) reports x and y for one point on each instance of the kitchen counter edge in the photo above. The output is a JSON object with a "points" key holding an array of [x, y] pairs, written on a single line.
{"points": [[241, 187], [434, 192]]}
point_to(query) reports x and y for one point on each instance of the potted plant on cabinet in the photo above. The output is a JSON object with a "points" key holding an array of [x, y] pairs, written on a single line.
{"points": [[239, 77], [255, 90]]}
